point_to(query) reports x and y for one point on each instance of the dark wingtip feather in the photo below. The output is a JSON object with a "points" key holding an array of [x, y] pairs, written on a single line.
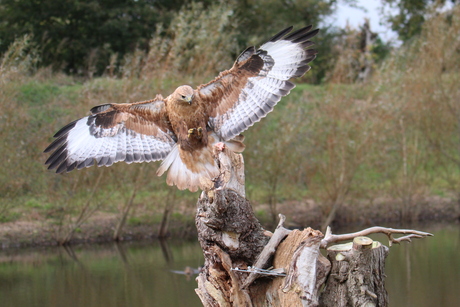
{"points": [[305, 36], [246, 54], [100, 108], [307, 44], [55, 144], [63, 167], [103, 161], [310, 58], [86, 163], [311, 53], [301, 71], [66, 128], [72, 166], [129, 158], [281, 34], [298, 33], [57, 159], [55, 154]]}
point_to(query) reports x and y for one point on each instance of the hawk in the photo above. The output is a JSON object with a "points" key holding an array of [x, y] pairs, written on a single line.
{"points": [[182, 128]]}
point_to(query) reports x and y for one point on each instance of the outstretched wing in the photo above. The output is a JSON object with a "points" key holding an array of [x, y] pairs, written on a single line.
{"points": [[246, 93], [131, 132]]}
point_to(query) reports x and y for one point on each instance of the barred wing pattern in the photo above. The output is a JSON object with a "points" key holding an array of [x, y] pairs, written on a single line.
{"points": [[136, 132], [245, 94], [183, 128]]}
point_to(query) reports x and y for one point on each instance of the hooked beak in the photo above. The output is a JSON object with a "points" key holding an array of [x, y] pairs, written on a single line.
{"points": [[189, 99]]}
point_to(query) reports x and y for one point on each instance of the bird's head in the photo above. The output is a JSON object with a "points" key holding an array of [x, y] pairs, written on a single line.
{"points": [[184, 93]]}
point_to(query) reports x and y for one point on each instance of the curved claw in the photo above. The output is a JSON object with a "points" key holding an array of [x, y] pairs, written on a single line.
{"points": [[198, 131], [191, 131]]}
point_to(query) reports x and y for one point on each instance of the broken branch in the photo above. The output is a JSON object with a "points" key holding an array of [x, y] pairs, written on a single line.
{"points": [[268, 251], [331, 238]]}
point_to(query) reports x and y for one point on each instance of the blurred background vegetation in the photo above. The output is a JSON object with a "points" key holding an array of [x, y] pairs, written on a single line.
{"points": [[370, 122]]}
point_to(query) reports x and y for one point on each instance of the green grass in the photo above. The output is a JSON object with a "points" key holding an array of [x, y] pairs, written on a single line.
{"points": [[358, 141], [46, 104]]}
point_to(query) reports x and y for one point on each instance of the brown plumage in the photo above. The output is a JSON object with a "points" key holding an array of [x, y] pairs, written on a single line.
{"points": [[182, 128]]}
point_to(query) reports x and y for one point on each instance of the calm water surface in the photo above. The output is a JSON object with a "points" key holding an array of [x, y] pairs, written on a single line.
{"points": [[424, 273]]}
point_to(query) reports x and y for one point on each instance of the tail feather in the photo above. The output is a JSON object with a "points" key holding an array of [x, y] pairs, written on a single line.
{"points": [[189, 170], [197, 169]]}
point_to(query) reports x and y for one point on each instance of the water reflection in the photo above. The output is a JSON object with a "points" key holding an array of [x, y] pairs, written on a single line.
{"points": [[424, 273], [103, 275]]}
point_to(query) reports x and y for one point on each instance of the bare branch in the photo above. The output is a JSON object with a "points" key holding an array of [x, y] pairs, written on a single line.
{"points": [[331, 238], [268, 251]]}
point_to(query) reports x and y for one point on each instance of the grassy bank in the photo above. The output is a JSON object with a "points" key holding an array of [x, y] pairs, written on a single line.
{"points": [[337, 145]]}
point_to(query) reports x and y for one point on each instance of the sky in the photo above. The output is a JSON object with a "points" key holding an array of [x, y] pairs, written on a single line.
{"points": [[355, 17]]}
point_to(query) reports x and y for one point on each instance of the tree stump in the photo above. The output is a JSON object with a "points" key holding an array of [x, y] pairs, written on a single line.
{"points": [[246, 265], [357, 276], [233, 241], [230, 237]]}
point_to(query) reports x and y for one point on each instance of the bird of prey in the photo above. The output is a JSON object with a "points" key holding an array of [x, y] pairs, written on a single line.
{"points": [[182, 128]]}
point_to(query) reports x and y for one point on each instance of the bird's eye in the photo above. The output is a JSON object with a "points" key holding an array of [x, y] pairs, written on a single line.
{"points": [[183, 97]]}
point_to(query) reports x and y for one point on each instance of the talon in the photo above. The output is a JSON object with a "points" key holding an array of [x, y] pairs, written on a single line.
{"points": [[200, 131], [191, 131]]}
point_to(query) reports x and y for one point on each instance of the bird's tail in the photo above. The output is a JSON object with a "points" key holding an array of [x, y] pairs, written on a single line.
{"points": [[197, 169]]}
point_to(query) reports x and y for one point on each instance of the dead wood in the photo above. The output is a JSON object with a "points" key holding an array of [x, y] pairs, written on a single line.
{"points": [[244, 266], [263, 260], [331, 238], [357, 276]]}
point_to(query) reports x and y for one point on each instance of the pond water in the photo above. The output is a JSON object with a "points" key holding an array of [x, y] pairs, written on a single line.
{"points": [[424, 273]]}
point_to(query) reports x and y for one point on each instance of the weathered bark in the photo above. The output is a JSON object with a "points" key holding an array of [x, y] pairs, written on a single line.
{"points": [[230, 237], [220, 285], [357, 276], [263, 260], [237, 248], [247, 266], [307, 269], [227, 220]]}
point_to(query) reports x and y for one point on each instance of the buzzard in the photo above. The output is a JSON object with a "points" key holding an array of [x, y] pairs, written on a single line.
{"points": [[182, 128]]}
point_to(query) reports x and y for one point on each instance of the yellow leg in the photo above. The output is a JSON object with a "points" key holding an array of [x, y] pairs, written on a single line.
{"points": [[191, 131], [198, 131]]}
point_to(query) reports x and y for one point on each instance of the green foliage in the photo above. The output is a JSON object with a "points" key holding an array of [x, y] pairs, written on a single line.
{"points": [[396, 135], [134, 221], [420, 83], [199, 43], [33, 203], [86, 37], [19, 59], [257, 18], [381, 50], [72, 33], [36, 93], [355, 54], [410, 15], [10, 217]]}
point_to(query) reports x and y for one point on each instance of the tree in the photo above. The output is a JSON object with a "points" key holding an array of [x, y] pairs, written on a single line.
{"points": [[80, 37], [68, 32], [410, 15]]}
